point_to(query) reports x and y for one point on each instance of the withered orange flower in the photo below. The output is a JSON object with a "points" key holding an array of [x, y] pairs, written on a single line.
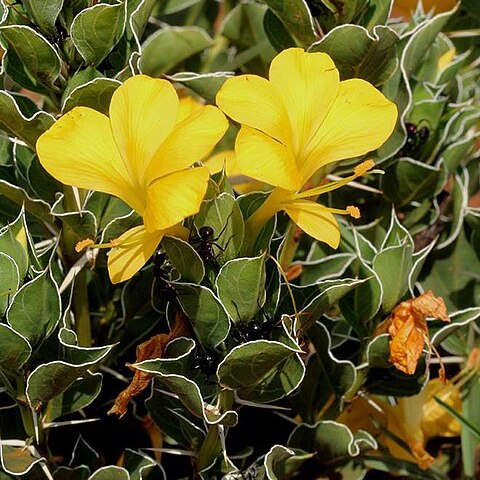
{"points": [[150, 349], [408, 328]]}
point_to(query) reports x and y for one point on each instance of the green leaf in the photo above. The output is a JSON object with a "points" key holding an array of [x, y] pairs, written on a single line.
{"points": [[452, 274], [13, 242], [35, 309], [281, 462], [393, 382], [244, 28], [358, 53], [296, 17], [184, 259], [457, 152], [330, 441], [171, 416], [376, 13], [83, 223], [224, 216], [248, 364], [276, 32], [81, 472], [318, 298], [188, 393], [206, 312], [396, 234], [340, 374], [39, 59], [44, 13], [378, 352], [278, 383], [240, 286], [79, 395], [469, 440], [393, 266], [95, 94], [14, 350], [96, 30], [140, 465], [204, 84], [83, 454], [9, 280], [421, 41], [409, 180], [37, 208], [16, 123], [325, 268], [50, 379], [169, 46], [17, 460], [111, 472], [440, 331]]}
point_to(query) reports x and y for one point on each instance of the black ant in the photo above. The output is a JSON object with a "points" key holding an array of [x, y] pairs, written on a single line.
{"points": [[207, 363], [58, 37], [204, 243], [162, 288], [254, 330], [415, 138]]}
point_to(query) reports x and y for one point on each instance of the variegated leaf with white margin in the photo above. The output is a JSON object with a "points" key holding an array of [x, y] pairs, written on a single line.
{"points": [[176, 44], [459, 208], [35, 310], [17, 457], [33, 51], [50, 379], [331, 440], [240, 286], [95, 94], [204, 84], [188, 392], [326, 268], [97, 29], [439, 331], [280, 461], [18, 125], [209, 318], [139, 464], [341, 374], [111, 472], [396, 234]]}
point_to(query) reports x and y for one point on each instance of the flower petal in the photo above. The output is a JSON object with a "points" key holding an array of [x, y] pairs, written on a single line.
{"points": [[136, 246], [143, 111], [79, 150], [315, 220], [174, 197], [308, 85], [360, 120], [253, 101], [190, 141], [265, 159], [186, 106]]}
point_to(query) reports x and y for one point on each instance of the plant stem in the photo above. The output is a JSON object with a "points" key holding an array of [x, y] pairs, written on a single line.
{"points": [[80, 305]]}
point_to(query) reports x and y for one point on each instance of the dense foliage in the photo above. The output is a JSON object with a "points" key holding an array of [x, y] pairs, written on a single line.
{"points": [[230, 330]]}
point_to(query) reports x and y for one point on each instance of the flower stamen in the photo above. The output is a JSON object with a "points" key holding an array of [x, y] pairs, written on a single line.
{"points": [[353, 211]]}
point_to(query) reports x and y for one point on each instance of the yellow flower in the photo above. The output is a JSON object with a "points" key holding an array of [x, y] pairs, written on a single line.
{"points": [[298, 121], [141, 153], [226, 159], [415, 420]]}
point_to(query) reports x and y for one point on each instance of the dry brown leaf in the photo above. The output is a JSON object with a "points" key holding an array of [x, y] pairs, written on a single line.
{"points": [[408, 328], [152, 348]]}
